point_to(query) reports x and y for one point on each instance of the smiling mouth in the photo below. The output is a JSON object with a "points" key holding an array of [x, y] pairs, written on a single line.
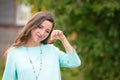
{"points": [[39, 37]]}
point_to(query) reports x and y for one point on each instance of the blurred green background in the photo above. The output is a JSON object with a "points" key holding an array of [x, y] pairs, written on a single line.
{"points": [[93, 28]]}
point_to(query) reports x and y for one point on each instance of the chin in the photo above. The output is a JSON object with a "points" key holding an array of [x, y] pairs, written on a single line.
{"points": [[38, 40]]}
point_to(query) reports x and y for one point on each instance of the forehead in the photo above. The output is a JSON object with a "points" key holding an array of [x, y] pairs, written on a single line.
{"points": [[47, 24]]}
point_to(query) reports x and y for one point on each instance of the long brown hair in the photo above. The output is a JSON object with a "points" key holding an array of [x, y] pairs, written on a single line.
{"points": [[34, 22]]}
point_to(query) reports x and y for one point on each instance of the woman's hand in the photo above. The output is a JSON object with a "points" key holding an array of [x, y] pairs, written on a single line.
{"points": [[57, 34]]}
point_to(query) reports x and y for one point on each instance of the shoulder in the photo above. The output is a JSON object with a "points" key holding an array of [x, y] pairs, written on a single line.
{"points": [[15, 50]]}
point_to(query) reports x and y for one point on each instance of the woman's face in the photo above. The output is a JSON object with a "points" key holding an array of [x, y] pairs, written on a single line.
{"points": [[42, 31]]}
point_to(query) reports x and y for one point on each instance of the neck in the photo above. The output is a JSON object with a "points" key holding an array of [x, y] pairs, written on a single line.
{"points": [[32, 43]]}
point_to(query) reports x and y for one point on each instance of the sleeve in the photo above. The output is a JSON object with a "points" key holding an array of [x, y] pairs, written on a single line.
{"points": [[68, 59], [10, 70]]}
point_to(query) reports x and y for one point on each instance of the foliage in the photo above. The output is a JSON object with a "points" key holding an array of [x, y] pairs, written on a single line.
{"points": [[2, 65], [92, 26]]}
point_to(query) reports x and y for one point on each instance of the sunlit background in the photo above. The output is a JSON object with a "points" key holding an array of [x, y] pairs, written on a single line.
{"points": [[91, 26]]}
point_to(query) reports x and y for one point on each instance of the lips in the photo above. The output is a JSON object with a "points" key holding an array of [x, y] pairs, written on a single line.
{"points": [[39, 37]]}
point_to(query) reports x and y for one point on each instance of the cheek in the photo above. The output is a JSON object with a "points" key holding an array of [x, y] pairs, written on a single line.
{"points": [[33, 33], [46, 35]]}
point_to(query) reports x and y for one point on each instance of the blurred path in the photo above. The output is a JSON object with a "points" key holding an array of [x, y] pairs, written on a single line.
{"points": [[7, 36]]}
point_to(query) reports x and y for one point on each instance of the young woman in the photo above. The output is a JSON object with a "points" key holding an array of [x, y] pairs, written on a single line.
{"points": [[31, 57]]}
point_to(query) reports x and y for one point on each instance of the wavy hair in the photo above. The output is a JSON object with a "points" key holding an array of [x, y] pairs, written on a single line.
{"points": [[34, 22]]}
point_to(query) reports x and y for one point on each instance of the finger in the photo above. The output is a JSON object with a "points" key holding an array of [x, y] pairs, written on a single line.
{"points": [[56, 34], [60, 32]]}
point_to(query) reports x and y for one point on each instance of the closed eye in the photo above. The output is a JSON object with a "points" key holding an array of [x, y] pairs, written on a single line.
{"points": [[48, 31], [42, 27]]}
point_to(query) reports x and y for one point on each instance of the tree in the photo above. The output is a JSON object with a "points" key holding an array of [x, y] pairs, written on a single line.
{"points": [[93, 27]]}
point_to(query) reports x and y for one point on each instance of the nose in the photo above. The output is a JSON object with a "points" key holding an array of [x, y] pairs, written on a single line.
{"points": [[42, 32]]}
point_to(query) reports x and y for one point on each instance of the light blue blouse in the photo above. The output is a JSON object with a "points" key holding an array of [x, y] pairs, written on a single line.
{"points": [[46, 59]]}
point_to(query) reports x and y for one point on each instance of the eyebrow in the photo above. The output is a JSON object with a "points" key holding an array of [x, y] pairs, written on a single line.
{"points": [[46, 29]]}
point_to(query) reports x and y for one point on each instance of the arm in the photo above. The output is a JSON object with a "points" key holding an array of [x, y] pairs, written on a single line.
{"points": [[70, 59], [57, 34]]}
